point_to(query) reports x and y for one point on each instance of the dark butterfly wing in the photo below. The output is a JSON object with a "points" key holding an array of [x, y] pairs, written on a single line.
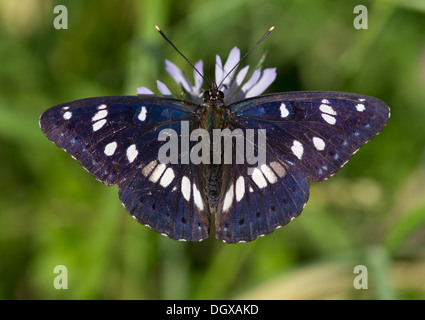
{"points": [[169, 198], [255, 205], [168, 201], [310, 136], [116, 140], [315, 133], [111, 137]]}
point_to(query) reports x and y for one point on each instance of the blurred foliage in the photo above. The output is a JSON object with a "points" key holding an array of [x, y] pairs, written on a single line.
{"points": [[52, 212]]}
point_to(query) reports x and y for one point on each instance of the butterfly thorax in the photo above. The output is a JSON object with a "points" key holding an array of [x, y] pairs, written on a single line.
{"points": [[212, 111]]}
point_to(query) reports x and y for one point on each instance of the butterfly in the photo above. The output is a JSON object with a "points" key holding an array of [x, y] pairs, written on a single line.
{"points": [[310, 136]]}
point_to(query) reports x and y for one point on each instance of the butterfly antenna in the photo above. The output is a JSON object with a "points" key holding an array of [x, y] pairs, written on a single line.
{"points": [[166, 39], [246, 54]]}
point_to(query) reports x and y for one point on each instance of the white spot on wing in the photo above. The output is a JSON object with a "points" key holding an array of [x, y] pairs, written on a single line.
{"points": [[325, 101], [197, 198], [268, 173], [101, 106], [186, 188], [278, 168], [149, 167], [327, 109], [240, 188], [132, 153], [156, 174], [142, 114], [67, 115], [297, 149], [329, 119], [283, 111], [360, 107], [99, 124], [319, 144], [100, 115], [258, 178], [110, 148], [228, 199], [167, 178]]}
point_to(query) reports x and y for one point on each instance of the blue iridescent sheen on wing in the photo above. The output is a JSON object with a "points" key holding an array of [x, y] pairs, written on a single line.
{"points": [[328, 127], [164, 206], [259, 203], [84, 128]]}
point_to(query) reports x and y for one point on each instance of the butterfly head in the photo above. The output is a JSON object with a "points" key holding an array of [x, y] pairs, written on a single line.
{"points": [[213, 94]]}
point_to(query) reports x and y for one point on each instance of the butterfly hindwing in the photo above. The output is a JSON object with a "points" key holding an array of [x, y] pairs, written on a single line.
{"points": [[255, 205], [166, 198]]}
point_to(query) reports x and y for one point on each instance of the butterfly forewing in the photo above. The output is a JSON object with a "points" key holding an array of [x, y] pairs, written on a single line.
{"points": [[112, 137], [313, 132]]}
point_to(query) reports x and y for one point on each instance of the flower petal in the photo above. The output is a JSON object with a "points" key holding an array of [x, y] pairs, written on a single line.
{"points": [[198, 79], [234, 93], [233, 58], [166, 93], [269, 75], [231, 62], [178, 75], [252, 81], [218, 70], [241, 75], [233, 89], [143, 91]]}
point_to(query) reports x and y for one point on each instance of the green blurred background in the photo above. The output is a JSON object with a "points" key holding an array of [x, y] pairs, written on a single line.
{"points": [[52, 212]]}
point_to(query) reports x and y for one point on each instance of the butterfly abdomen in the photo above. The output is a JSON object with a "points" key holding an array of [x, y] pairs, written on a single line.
{"points": [[211, 117]]}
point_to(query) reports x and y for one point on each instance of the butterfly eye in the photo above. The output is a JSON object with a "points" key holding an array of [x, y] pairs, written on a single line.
{"points": [[206, 95], [221, 95]]}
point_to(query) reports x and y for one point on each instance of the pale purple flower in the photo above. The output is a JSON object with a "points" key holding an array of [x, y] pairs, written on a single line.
{"points": [[233, 87]]}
